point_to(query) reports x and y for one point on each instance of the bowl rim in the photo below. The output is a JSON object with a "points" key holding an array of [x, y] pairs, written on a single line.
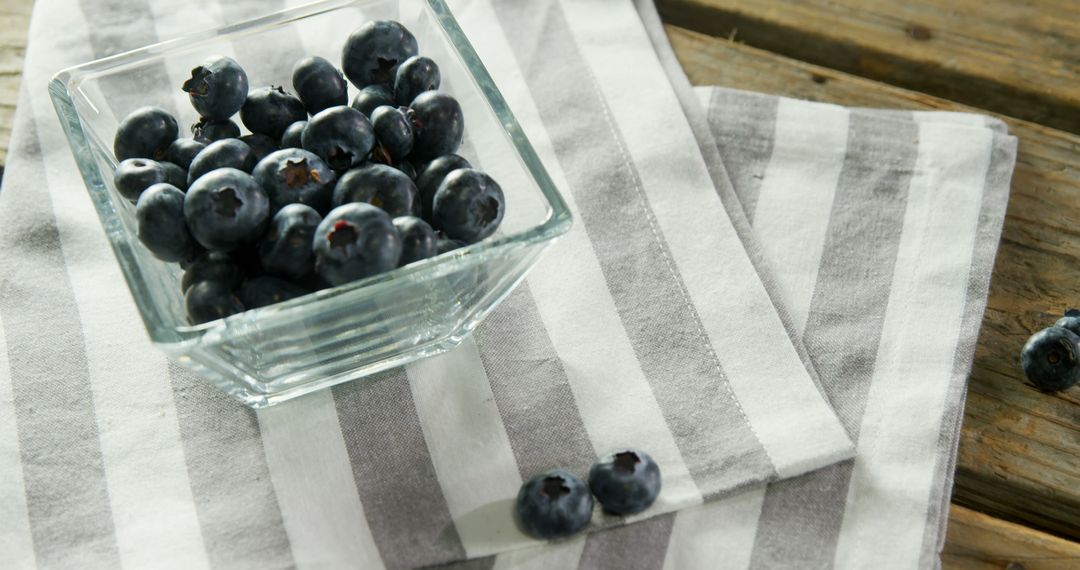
{"points": [[557, 222]]}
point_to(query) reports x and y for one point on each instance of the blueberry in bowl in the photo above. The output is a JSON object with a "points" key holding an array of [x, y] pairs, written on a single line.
{"points": [[373, 52], [341, 136], [270, 110], [354, 241], [217, 88], [379, 185], [295, 176], [468, 206], [365, 301], [226, 209], [145, 133]]}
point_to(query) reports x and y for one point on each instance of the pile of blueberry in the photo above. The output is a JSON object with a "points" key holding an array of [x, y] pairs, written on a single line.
{"points": [[321, 192], [1051, 357], [557, 504]]}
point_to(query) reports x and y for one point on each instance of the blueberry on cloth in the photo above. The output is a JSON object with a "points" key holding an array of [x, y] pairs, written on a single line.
{"points": [[625, 482], [555, 504]]}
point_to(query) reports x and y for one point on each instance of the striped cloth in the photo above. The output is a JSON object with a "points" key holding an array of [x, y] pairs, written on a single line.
{"points": [[880, 229], [648, 325]]}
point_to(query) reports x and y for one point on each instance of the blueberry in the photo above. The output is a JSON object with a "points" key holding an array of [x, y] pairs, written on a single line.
{"points": [[1051, 359], [1070, 322], [134, 175], [285, 250], [145, 133], [444, 245], [468, 205], [182, 151], [355, 241], [1072, 312], [228, 153], [209, 301], [207, 132], [414, 76], [438, 124], [341, 136], [291, 138], [261, 145], [394, 133], [217, 88], [409, 170], [225, 209], [625, 482], [417, 239], [175, 175], [431, 177], [270, 110], [372, 97], [295, 175], [555, 504], [381, 186], [319, 84], [263, 291], [373, 51], [213, 266], [159, 215]]}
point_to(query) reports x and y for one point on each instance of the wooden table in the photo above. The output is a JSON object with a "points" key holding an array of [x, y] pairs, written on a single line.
{"points": [[1017, 492]]}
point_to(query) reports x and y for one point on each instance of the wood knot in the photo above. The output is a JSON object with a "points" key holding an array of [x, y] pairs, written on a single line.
{"points": [[919, 32]]}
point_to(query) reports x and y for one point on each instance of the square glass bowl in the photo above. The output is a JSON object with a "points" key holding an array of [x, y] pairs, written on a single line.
{"points": [[268, 355]]}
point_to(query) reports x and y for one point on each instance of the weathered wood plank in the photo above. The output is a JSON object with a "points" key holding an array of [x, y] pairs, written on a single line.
{"points": [[1020, 449], [14, 24], [1015, 58], [980, 542]]}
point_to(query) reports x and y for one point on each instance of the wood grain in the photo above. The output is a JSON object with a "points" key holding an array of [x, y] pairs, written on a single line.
{"points": [[1020, 448], [14, 24], [979, 542], [1016, 58]]}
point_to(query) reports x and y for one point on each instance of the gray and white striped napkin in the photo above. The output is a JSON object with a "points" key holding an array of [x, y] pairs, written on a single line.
{"points": [[880, 229], [648, 325]]}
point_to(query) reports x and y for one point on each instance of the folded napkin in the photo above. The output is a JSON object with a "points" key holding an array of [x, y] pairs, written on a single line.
{"points": [[647, 325], [880, 228]]}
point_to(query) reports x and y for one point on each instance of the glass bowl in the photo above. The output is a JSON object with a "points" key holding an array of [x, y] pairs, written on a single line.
{"points": [[268, 355]]}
